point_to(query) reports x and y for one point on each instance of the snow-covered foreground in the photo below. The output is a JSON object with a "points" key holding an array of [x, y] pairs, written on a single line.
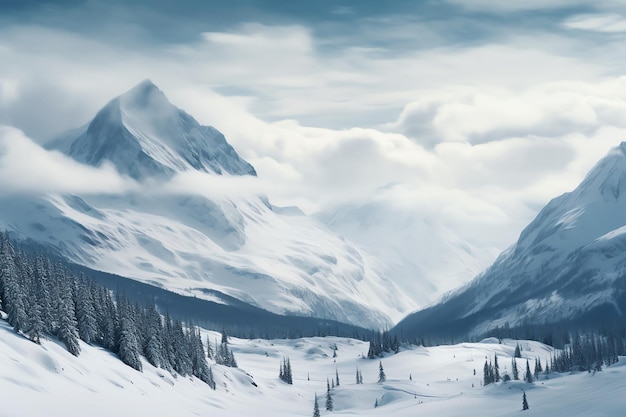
{"points": [[47, 381]]}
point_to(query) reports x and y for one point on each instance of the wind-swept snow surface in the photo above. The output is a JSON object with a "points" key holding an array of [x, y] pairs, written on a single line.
{"points": [[47, 381]]}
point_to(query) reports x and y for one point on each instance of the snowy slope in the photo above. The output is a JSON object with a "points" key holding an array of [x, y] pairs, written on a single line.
{"points": [[285, 264], [425, 259], [569, 262], [47, 381], [243, 246]]}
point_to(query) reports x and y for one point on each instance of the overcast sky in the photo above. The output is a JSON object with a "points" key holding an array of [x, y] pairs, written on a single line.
{"points": [[474, 113]]}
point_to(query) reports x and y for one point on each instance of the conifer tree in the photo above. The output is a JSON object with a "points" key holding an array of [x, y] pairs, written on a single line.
{"points": [[381, 373], [329, 397], [538, 368], [371, 352], [316, 407], [211, 382], [496, 369], [128, 343], [529, 376], [85, 312], [67, 330], [395, 344], [336, 377], [285, 371], [209, 349], [153, 340], [487, 373], [13, 297], [518, 352], [524, 402], [514, 368]]}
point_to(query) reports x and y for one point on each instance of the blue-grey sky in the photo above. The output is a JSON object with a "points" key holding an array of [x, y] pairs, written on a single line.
{"points": [[477, 111]]}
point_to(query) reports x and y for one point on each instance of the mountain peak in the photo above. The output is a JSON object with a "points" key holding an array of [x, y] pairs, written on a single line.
{"points": [[146, 96], [144, 135], [607, 177]]}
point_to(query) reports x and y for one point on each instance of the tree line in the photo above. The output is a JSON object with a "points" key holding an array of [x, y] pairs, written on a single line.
{"points": [[43, 298]]}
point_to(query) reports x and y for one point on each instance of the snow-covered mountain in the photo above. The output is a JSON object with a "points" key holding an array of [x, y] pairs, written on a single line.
{"points": [[425, 259], [568, 264], [242, 246]]}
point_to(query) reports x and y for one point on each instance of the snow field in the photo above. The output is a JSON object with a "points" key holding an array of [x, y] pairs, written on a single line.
{"points": [[47, 381]]}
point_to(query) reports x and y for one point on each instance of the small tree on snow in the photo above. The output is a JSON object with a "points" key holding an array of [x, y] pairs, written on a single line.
{"points": [[496, 369], [529, 376], [316, 408], [524, 402], [518, 351], [285, 373], [381, 373], [329, 397], [538, 368]]}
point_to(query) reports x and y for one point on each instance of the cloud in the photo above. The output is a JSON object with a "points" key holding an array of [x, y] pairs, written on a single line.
{"points": [[610, 23], [26, 167], [484, 114], [472, 121], [491, 6]]}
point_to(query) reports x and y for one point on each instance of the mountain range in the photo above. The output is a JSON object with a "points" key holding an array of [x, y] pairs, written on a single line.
{"points": [[364, 263], [201, 243]]}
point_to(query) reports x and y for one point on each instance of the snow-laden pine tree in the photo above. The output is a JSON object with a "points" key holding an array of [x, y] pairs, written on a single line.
{"points": [[153, 338], [538, 368], [285, 373], [329, 397], [129, 350], [316, 407], [209, 349], [211, 379], [67, 331], [496, 369], [12, 294], [381, 373], [486, 374], [518, 351], [529, 376], [85, 312], [514, 369]]}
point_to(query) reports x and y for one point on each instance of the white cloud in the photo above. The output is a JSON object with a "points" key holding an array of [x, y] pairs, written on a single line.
{"points": [[25, 167], [597, 22]]}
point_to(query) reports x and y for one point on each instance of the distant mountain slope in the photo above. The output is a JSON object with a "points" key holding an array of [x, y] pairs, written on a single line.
{"points": [[569, 264], [424, 258]]}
